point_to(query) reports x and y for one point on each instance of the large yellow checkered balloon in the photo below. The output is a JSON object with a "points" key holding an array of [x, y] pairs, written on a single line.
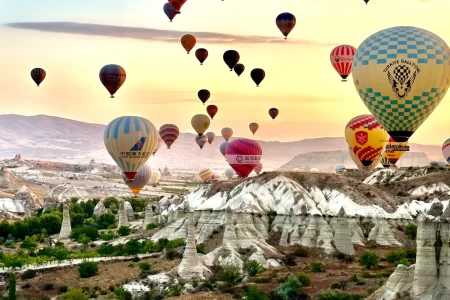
{"points": [[401, 74]]}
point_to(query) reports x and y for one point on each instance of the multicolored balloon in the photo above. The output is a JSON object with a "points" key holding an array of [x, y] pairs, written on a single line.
{"points": [[402, 74], [188, 42], [258, 75], [201, 140], [243, 155], [205, 174], [201, 54], [239, 69], [385, 161], [446, 150], [200, 123], [215, 177], [223, 147], [112, 77], [229, 173], [258, 168], [341, 58], [231, 58], [285, 22], [141, 179], [203, 95], [169, 134], [395, 150], [211, 137], [212, 110], [158, 146], [130, 141], [273, 113], [38, 75], [253, 127], [227, 133], [366, 139], [169, 11]]}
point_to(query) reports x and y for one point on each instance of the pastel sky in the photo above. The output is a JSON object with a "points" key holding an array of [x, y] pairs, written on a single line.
{"points": [[162, 80]]}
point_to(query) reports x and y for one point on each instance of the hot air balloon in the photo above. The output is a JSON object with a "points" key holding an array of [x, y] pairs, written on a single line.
{"points": [[273, 113], [340, 168], [366, 1], [215, 177], [229, 173], [385, 161], [211, 137], [395, 150], [141, 179], [341, 59], [205, 174], [169, 11], [257, 75], [223, 147], [188, 42], [200, 123], [285, 22], [227, 133], [315, 170], [130, 141], [446, 150], [239, 69], [403, 79], [212, 110], [160, 141], [112, 77], [38, 75], [201, 54], [258, 168], [156, 176], [177, 5], [231, 58], [201, 140], [203, 95], [253, 127], [169, 134], [366, 139], [243, 155]]}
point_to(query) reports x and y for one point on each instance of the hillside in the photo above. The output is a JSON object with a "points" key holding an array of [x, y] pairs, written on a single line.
{"points": [[57, 139]]}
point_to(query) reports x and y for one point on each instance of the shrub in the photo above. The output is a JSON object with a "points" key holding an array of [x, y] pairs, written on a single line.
{"points": [[121, 294], [361, 283], [108, 236], [201, 248], [303, 278], [229, 273], [394, 256], [48, 286], [90, 232], [172, 254], [144, 266], [301, 251], [368, 259], [28, 243], [337, 295], [411, 253], [75, 294], [289, 287], [354, 278], [254, 268], [63, 289], [28, 274], [253, 293], [289, 260], [12, 286], [411, 231], [336, 286], [151, 226], [403, 261], [316, 267], [106, 250], [87, 269], [344, 257], [124, 231]]}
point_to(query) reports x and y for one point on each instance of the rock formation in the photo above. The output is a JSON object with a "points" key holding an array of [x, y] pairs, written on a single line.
{"points": [[27, 199], [149, 218], [66, 228], [123, 218], [99, 209], [342, 236], [129, 210]]}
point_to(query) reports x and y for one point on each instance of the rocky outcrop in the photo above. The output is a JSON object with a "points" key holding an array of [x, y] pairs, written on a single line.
{"points": [[149, 218], [129, 210], [66, 228], [342, 236], [100, 209], [28, 200], [123, 217]]}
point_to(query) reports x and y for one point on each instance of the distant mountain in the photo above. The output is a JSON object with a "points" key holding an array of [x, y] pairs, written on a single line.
{"points": [[58, 139]]}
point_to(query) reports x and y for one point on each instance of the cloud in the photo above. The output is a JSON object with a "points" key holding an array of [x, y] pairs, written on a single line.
{"points": [[150, 34]]}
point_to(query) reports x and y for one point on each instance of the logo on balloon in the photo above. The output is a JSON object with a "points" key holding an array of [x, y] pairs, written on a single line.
{"points": [[239, 159], [361, 137], [243, 159], [401, 78], [336, 58]]}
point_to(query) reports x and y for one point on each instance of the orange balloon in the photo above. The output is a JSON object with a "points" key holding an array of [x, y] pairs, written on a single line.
{"points": [[253, 127], [188, 42]]}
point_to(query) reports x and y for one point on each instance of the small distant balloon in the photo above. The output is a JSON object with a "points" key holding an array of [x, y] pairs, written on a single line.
{"points": [[201, 54], [227, 133], [446, 150], [203, 95], [253, 127], [212, 110], [211, 137], [273, 113], [367, 1], [223, 147], [158, 145], [229, 173], [201, 140], [169, 134], [285, 22], [205, 174], [239, 69], [38, 75], [200, 123], [169, 11], [188, 42], [341, 58], [112, 77], [231, 58], [258, 75]]}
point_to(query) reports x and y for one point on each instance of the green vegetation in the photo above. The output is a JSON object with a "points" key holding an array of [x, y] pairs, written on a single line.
{"points": [[316, 267], [368, 259], [337, 295], [12, 286], [304, 278], [151, 226], [253, 293], [124, 231], [75, 294], [87, 269], [301, 251], [201, 248], [288, 288], [254, 268], [229, 273], [411, 231]]}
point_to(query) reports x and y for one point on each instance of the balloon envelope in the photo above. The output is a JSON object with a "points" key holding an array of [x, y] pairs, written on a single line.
{"points": [[212, 110], [223, 147], [253, 127], [201, 54], [200, 123], [201, 140], [211, 137], [258, 75], [158, 146], [227, 133], [169, 11], [177, 4], [169, 134], [341, 59], [112, 78], [130, 141], [385, 161], [366, 139], [258, 168], [141, 179], [231, 58], [188, 42], [229, 173], [156, 176], [395, 150], [273, 113], [239, 69], [402, 74], [203, 95], [243, 155], [446, 150], [285, 23], [38, 75], [205, 174]]}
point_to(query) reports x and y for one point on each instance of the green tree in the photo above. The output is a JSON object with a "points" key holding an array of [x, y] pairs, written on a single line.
{"points": [[87, 269], [51, 223], [28, 243], [368, 259], [105, 220], [12, 287], [132, 247], [75, 294], [124, 231], [411, 231]]}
